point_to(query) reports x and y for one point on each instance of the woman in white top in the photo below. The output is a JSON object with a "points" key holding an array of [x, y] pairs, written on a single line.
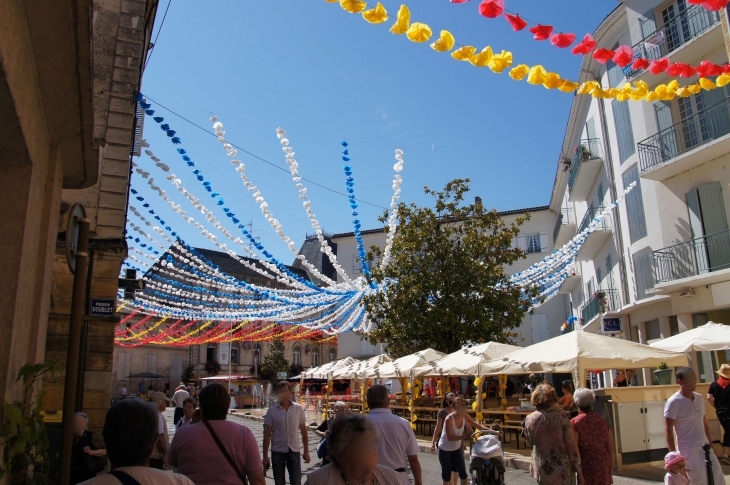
{"points": [[189, 405], [453, 434]]}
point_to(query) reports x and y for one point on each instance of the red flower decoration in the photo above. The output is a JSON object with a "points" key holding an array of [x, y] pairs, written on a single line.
{"points": [[562, 40], [725, 68], [623, 56], [715, 5], [585, 46], [658, 66], [516, 22], [708, 69], [459, 1], [541, 32], [603, 55], [640, 63], [491, 8], [681, 69]]}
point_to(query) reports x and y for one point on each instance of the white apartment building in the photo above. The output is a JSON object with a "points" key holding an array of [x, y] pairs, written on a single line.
{"points": [[663, 258]]}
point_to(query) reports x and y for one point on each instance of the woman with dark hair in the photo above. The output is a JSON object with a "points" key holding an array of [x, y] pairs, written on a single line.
{"points": [[447, 407], [130, 432], [595, 441], [189, 406], [566, 402], [216, 451], [555, 456]]}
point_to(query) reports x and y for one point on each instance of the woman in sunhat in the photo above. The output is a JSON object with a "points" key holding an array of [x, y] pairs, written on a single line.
{"points": [[719, 397], [674, 463]]}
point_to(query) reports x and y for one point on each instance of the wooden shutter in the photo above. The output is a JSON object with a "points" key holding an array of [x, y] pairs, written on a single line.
{"points": [[152, 363], [668, 140], [635, 205], [123, 366], [717, 124], [643, 272], [624, 131], [543, 242], [714, 224], [695, 216]]}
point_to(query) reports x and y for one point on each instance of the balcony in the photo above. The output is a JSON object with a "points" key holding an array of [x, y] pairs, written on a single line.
{"points": [[596, 239], [564, 227], [699, 262], [687, 144], [587, 162], [572, 282], [599, 305], [686, 38]]}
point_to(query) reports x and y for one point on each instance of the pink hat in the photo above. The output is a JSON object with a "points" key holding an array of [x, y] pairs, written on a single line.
{"points": [[672, 458]]}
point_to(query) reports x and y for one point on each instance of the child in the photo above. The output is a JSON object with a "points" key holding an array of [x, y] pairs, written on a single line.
{"points": [[674, 463]]}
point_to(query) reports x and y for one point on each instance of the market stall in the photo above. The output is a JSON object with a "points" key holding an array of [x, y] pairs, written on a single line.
{"points": [[242, 388]]}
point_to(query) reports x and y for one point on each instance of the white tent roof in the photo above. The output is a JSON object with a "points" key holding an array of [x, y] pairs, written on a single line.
{"points": [[465, 362], [403, 367], [708, 337], [359, 368], [325, 371], [581, 351]]}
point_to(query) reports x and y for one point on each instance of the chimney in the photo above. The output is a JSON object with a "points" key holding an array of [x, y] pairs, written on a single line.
{"points": [[478, 200]]}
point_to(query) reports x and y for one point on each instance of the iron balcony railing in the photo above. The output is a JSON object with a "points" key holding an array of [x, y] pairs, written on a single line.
{"points": [[688, 25], [598, 305], [565, 216], [587, 150], [591, 214], [692, 258], [702, 127]]}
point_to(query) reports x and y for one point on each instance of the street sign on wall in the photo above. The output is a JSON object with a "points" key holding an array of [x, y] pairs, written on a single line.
{"points": [[281, 375], [103, 307], [611, 325]]}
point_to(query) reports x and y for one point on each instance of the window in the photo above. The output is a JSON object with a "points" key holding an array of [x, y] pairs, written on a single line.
{"points": [[175, 369], [635, 205], [234, 356], [673, 325], [123, 366], [332, 355], [533, 243], [210, 353], [599, 276], [297, 355], [152, 363], [644, 272], [356, 264], [315, 357], [257, 350]]}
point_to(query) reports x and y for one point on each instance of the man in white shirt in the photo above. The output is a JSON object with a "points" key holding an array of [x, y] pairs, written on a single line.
{"points": [[124, 392], [179, 399], [283, 424], [684, 414], [398, 447]]}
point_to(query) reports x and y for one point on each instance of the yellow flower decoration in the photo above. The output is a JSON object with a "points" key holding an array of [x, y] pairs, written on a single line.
{"points": [[331, 1], [722, 80], [484, 395], [694, 88], [641, 91], [463, 53], [353, 6], [673, 86], [480, 416], [568, 86], [474, 405], [651, 97], [588, 87], [419, 32], [683, 92], [624, 93], [481, 59], [413, 426], [612, 92], [499, 63], [552, 81], [477, 379], [707, 84], [402, 22], [664, 94], [376, 15], [600, 93], [537, 75], [518, 73], [444, 43]]}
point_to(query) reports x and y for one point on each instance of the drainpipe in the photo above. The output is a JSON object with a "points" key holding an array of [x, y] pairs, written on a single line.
{"points": [[617, 234]]}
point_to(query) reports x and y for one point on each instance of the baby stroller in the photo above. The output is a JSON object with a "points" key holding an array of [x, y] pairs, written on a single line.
{"points": [[486, 462]]}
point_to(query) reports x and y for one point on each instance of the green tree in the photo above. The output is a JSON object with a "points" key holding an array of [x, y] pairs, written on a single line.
{"points": [[188, 374], [445, 285], [274, 361]]}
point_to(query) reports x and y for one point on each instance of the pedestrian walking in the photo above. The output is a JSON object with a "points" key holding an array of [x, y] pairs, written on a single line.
{"points": [[595, 441], [555, 455], [189, 406], [157, 460], [353, 446], [283, 424], [179, 399], [131, 430], [124, 392], [397, 447], [216, 451], [88, 456], [323, 431], [719, 398], [684, 415]]}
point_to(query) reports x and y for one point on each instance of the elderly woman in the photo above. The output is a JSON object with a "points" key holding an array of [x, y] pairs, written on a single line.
{"points": [[88, 453], [594, 439], [555, 457], [189, 406], [353, 450]]}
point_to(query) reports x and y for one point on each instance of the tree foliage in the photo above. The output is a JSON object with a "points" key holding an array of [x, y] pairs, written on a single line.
{"points": [[188, 374], [274, 361], [445, 285]]}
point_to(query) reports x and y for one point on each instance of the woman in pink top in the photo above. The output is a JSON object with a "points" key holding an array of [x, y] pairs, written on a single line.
{"points": [[195, 452]]}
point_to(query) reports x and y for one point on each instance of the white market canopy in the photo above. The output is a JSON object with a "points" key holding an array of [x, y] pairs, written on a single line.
{"points": [[325, 371], [404, 366], [579, 352], [360, 368], [706, 338], [465, 362]]}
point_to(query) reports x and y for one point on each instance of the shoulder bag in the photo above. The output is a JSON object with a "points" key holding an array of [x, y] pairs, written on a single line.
{"points": [[124, 478], [225, 452]]}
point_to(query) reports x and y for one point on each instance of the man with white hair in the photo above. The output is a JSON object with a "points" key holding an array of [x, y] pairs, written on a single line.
{"points": [[179, 399], [323, 430]]}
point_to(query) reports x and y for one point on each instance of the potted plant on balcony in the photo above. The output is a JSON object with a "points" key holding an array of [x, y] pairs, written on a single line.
{"points": [[663, 374], [600, 295]]}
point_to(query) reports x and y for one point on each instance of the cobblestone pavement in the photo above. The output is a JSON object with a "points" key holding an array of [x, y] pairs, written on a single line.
{"points": [[430, 463]]}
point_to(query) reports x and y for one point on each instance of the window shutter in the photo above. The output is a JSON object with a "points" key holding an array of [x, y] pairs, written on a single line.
{"points": [[543, 242], [635, 205], [644, 272], [624, 131], [521, 244], [122, 366]]}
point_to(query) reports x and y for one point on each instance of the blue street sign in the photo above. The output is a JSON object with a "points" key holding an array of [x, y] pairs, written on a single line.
{"points": [[103, 306], [611, 325]]}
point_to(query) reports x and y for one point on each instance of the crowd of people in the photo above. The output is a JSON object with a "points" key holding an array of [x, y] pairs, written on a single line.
{"points": [[570, 442]]}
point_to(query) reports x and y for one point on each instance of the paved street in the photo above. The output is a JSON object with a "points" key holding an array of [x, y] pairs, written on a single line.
{"points": [[430, 463]]}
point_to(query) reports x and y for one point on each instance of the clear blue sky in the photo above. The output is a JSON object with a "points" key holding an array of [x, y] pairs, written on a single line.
{"points": [[323, 75]]}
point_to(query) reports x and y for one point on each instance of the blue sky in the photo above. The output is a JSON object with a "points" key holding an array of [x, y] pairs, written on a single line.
{"points": [[326, 75]]}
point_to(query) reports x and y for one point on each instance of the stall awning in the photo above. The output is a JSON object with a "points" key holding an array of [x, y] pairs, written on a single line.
{"points": [[465, 362], [706, 338], [325, 371], [358, 369], [232, 378], [404, 366]]}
